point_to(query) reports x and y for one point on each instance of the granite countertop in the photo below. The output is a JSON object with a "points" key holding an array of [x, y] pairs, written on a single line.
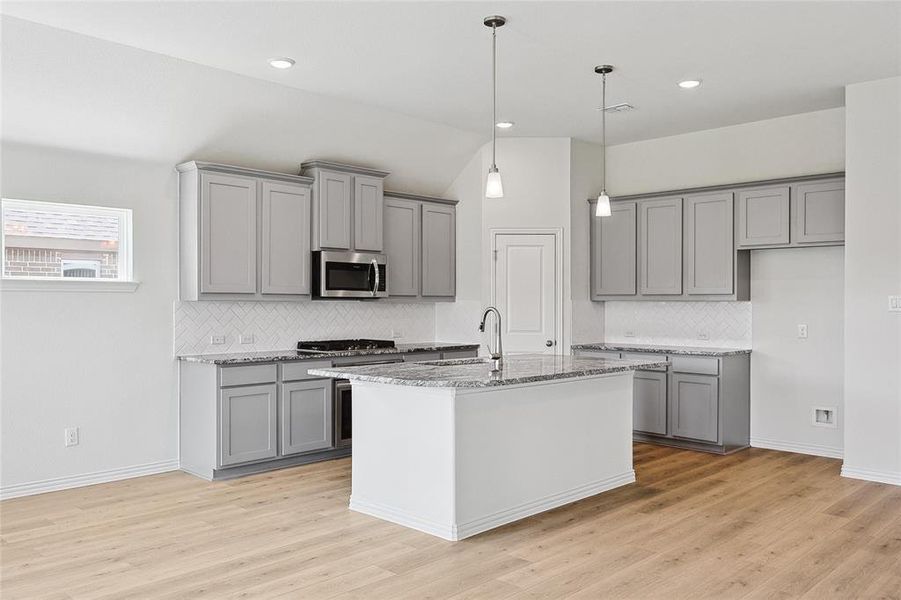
{"points": [[659, 349], [475, 372], [234, 358]]}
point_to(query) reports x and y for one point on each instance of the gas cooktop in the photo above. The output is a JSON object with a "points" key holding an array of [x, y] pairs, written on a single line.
{"points": [[342, 345]]}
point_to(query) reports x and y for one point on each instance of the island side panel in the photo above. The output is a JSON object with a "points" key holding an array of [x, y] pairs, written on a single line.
{"points": [[403, 456], [522, 450]]}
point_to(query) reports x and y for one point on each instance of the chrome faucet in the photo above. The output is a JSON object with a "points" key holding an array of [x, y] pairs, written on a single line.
{"points": [[497, 356]]}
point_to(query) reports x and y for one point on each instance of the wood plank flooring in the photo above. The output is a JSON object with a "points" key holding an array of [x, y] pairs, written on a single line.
{"points": [[756, 524]]}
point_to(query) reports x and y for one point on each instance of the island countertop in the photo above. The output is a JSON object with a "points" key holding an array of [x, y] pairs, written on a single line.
{"points": [[476, 372]]}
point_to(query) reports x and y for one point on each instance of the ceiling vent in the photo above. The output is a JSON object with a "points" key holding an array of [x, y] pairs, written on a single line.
{"points": [[619, 108]]}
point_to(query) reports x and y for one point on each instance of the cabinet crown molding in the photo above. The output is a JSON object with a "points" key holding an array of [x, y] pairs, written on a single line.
{"points": [[420, 197], [197, 165], [726, 187], [343, 168]]}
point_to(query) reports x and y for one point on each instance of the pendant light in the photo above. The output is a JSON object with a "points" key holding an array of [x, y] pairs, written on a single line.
{"points": [[603, 206], [494, 188]]}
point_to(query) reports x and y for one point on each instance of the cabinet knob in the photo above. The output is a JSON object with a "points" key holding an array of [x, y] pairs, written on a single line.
{"points": [[549, 343]]}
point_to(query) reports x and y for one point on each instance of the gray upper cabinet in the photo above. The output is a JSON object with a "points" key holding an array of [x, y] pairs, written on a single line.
{"points": [[285, 239], [660, 246], [247, 424], [306, 416], [347, 206], [439, 233], [649, 402], [763, 217], [332, 210], [613, 250], [228, 210], [695, 407], [403, 245], [709, 249], [819, 212], [243, 233], [368, 207]]}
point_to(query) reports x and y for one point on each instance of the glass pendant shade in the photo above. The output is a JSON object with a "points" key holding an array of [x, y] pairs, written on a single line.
{"points": [[494, 187], [603, 206]]}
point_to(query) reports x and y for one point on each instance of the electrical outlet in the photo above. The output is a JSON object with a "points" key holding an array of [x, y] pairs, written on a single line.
{"points": [[894, 303], [217, 340], [246, 338], [396, 334], [703, 335], [71, 434], [824, 416], [802, 331], [630, 334]]}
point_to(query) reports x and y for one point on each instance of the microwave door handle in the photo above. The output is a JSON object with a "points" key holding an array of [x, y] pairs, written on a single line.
{"points": [[374, 264]]}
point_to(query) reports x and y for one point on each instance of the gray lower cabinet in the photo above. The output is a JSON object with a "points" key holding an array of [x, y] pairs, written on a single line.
{"points": [[763, 217], [660, 247], [649, 402], [403, 245], [439, 253], [247, 424], [695, 407], [306, 416], [819, 212], [709, 251], [613, 251]]}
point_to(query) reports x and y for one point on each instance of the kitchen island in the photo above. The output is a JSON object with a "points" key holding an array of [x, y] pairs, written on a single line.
{"points": [[453, 449]]}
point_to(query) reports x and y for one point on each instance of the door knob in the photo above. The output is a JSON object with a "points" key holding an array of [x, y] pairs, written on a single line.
{"points": [[549, 343]]}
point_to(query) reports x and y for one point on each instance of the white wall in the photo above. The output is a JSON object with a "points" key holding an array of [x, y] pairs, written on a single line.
{"points": [[802, 144], [107, 125], [872, 273], [792, 376]]}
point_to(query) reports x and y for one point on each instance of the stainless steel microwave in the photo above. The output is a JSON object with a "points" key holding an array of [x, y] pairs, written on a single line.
{"points": [[349, 275]]}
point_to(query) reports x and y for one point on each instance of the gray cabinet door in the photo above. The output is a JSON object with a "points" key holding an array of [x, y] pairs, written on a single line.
{"points": [[819, 212], [763, 217], [403, 245], [709, 250], [660, 246], [285, 239], [247, 424], [228, 234], [368, 205], [306, 416], [695, 407], [649, 402], [334, 210], [439, 232], [613, 251]]}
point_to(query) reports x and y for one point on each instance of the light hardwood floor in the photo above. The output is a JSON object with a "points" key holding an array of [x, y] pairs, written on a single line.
{"points": [[756, 524]]}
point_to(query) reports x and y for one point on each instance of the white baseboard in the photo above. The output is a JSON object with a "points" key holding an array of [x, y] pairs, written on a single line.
{"points": [[871, 475], [459, 531], [814, 449], [74, 481]]}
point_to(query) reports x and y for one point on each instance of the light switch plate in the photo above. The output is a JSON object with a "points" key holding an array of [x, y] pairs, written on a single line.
{"points": [[894, 303], [802, 331]]}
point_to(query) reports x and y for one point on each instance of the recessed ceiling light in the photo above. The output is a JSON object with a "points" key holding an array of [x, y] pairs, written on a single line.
{"points": [[505, 124], [689, 84], [281, 62]]}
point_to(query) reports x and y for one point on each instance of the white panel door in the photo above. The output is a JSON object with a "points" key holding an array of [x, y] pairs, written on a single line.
{"points": [[525, 292]]}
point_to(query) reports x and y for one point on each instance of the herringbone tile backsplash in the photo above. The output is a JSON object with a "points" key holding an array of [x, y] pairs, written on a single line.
{"points": [[280, 325], [725, 323]]}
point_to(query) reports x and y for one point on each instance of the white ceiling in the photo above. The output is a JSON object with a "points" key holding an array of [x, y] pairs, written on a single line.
{"points": [[758, 60]]}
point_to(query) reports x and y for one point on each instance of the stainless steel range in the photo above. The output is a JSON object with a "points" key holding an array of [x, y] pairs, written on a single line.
{"points": [[341, 390]]}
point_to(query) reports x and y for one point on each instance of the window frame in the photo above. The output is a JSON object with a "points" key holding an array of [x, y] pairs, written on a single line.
{"points": [[125, 256]]}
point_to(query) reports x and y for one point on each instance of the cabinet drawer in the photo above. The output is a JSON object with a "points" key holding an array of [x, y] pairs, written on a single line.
{"points": [[702, 365], [418, 356], [646, 356], [247, 375], [296, 371], [597, 353], [459, 354]]}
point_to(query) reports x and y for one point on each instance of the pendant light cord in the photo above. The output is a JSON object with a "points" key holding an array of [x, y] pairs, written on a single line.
{"points": [[494, 96], [604, 131]]}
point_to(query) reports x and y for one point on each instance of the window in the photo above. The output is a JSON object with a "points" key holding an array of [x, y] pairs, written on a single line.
{"points": [[51, 241]]}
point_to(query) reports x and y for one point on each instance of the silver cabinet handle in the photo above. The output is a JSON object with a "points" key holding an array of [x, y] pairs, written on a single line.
{"points": [[375, 265]]}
